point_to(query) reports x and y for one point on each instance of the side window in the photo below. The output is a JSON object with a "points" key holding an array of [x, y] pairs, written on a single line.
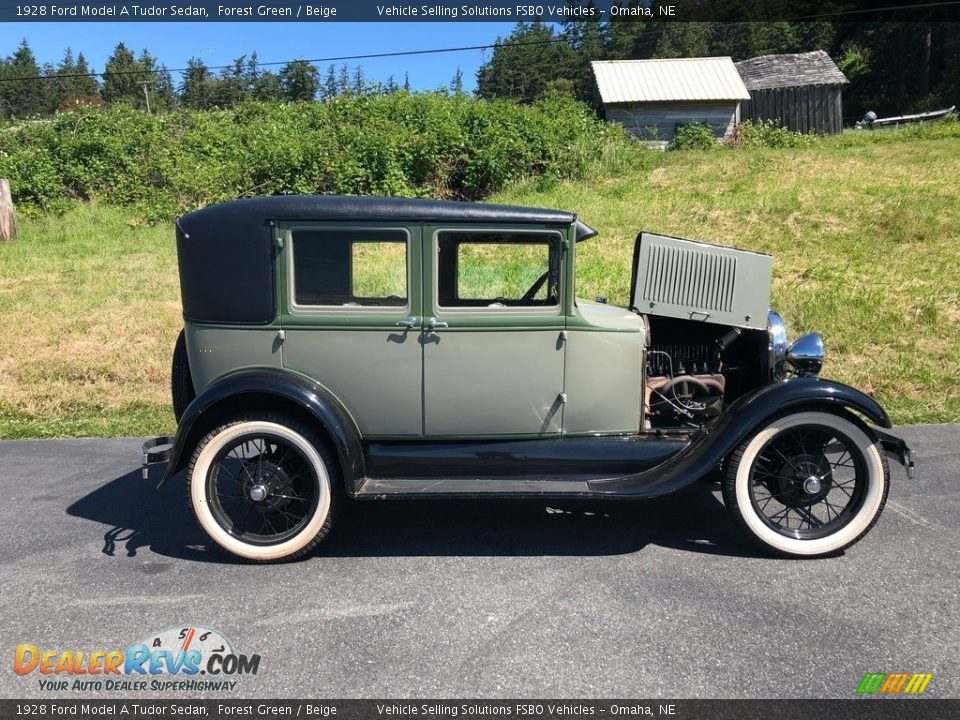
{"points": [[498, 269], [350, 268]]}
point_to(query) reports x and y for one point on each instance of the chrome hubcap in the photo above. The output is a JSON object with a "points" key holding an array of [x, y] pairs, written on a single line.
{"points": [[258, 492], [811, 485]]}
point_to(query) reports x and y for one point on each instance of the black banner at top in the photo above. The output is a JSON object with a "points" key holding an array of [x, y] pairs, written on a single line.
{"points": [[510, 11]]}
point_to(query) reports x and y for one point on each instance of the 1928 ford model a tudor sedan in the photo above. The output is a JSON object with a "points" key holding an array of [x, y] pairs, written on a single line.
{"points": [[392, 348]]}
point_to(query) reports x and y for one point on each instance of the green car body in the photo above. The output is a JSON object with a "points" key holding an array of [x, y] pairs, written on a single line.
{"points": [[572, 369], [428, 348]]}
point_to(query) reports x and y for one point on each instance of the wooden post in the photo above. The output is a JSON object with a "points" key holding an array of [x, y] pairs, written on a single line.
{"points": [[8, 223]]}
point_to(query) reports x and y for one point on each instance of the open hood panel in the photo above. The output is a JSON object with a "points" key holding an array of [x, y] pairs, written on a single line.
{"points": [[694, 280]]}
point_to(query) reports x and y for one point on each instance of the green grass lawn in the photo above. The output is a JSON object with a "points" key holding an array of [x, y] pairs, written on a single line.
{"points": [[89, 312], [864, 233]]}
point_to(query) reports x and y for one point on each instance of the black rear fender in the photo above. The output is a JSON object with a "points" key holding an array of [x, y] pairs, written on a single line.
{"points": [[273, 390]]}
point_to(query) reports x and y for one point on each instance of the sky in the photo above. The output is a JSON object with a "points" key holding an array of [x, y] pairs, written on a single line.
{"points": [[219, 43]]}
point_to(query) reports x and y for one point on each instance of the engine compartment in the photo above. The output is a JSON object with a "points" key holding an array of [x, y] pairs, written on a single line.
{"points": [[694, 369]]}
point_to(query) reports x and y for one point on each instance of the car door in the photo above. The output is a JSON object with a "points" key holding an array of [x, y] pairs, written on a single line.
{"points": [[493, 348], [351, 304]]}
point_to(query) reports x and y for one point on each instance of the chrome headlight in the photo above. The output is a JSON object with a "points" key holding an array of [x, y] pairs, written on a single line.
{"points": [[777, 331], [806, 354]]}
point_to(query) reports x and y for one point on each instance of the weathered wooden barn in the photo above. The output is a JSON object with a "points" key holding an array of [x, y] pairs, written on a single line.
{"points": [[803, 91], [652, 97]]}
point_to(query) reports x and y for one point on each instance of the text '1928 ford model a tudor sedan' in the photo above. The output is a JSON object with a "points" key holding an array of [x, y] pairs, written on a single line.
{"points": [[388, 348]]}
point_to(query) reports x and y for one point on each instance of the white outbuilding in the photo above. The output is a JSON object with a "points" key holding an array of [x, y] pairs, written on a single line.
{"points": [[652, 97]]}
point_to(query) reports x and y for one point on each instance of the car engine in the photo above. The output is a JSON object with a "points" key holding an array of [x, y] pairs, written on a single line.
{"points": [[694, 369]]}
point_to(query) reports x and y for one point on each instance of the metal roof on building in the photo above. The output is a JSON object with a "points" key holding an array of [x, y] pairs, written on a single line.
{"points": [[768, 72], [663, 80]]}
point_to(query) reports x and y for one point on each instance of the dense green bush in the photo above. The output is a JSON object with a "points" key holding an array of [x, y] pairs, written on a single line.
{"points": [[694, 136], [406, 145], [770, 134]]}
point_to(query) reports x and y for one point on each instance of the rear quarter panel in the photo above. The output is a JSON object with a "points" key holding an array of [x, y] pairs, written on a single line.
{"points": [[217, 350]]}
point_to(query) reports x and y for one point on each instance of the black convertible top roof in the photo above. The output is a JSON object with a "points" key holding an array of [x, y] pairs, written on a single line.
{"points": [[253, 213]]}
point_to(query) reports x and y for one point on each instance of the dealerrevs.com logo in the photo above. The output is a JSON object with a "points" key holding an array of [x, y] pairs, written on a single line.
{"points": [[176, 659]]}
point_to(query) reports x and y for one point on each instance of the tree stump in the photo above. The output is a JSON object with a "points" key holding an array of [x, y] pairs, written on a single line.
{"points": [[8, 223]]}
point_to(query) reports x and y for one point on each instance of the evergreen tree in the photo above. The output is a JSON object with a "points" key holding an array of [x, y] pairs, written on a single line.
{"points": [[330, 87], [343, 80], [159, 84], [406, 82], [680, 40], [49, 96], [163, 89], [456, 85], [359, 84], [588, 40], [231, 88], [66, 71], [267, 87], [523, 64], [122, 78], [85, 84], [21, 93], [299, 81], [251, 75], [197, 88]]}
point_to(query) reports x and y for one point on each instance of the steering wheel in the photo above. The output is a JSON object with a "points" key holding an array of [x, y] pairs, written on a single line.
{"points": [[535, 288]]}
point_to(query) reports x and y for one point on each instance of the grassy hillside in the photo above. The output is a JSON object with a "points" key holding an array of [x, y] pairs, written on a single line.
{"points": [[864, 230]]}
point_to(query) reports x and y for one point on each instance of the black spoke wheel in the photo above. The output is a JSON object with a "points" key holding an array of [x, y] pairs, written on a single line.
{"points": [[264, 487], [807, 483]]}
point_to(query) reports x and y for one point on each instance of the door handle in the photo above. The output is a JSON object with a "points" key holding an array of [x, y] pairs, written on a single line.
{"points": [[408, 322], [433, 324]]}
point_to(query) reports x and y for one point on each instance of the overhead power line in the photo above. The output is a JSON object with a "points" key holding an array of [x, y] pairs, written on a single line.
{"points": [[313, 61], [878, 9]]}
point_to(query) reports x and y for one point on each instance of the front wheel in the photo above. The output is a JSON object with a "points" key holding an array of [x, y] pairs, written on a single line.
{"points": [[264, 488], [808, 484]]}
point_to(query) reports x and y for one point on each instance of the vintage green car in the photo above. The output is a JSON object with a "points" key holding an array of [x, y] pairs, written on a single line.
{"points": [[382, 348]]}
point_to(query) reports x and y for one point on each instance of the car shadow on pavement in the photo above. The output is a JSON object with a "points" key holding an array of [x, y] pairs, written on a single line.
{"points": [[139, 516]]}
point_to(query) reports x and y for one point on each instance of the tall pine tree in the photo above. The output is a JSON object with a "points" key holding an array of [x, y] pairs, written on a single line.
{"points": [[21, 90], [122, 78]]}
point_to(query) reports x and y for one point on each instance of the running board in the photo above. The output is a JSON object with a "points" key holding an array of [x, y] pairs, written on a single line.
{"points": [[382, 488]]}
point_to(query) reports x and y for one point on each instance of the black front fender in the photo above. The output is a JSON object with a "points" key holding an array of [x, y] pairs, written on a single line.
{"points": [[268, 389], [709, 447]]}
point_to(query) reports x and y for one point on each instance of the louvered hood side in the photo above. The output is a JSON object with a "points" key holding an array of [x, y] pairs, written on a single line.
{"points": [[693, 280]]}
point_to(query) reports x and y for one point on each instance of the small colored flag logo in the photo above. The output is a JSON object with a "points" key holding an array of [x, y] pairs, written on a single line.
{"points": [[894, 683]]}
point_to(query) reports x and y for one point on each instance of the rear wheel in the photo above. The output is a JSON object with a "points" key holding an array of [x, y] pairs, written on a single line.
{"points": [[808, 484], [264, 488], [181, 383]]}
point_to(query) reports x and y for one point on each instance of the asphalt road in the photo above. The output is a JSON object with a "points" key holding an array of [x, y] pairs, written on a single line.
{"points": [[486, 599]]}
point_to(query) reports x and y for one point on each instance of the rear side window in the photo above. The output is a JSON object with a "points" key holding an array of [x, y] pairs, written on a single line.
{"points": [[350, 268]]}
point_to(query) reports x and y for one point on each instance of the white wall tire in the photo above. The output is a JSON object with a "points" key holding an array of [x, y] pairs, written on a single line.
{"points": [[322, 478], [851, 523]]}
